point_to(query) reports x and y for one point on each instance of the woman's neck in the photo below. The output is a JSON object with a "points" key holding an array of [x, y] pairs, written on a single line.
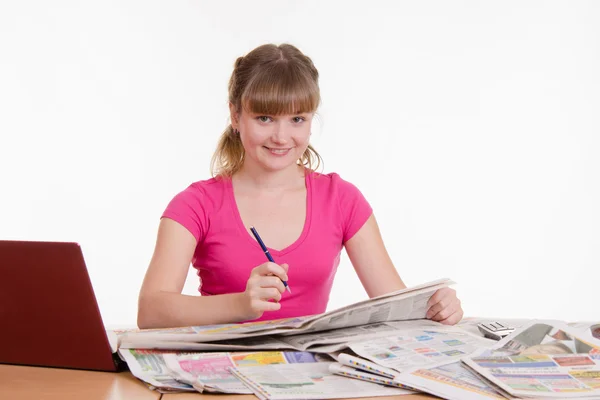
{"points": [[251, 178]]}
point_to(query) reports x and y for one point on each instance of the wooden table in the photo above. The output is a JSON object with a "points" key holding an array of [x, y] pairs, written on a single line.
{"points": [[26, 383], [198, 396]]}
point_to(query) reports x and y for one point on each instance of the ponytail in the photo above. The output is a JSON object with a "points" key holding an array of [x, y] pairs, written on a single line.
{"points": [[229, 155]]}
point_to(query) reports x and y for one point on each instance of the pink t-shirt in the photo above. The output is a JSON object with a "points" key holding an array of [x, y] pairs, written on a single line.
{"points": [[226, 253]]}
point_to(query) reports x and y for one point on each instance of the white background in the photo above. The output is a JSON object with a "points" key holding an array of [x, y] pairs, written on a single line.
{"points": [[471, 127]]}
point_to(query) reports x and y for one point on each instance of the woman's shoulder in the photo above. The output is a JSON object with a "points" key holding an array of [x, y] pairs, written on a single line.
{"points": [[206, 192], [331, 180], [216, 184]]}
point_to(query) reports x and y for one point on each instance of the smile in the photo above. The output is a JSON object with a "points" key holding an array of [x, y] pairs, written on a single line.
{"points": [[278, 152]]}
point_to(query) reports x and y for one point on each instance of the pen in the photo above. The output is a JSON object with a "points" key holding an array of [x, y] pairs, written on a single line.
{"points": [[264, 248]]}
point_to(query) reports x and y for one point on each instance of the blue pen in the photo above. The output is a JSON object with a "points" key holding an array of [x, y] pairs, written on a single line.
{"points": [[262, 245]]}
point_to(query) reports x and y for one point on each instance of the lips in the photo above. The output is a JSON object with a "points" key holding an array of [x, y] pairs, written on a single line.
{"points": [[278, 152]]}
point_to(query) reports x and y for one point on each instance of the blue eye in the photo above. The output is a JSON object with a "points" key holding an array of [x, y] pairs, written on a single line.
{"points": [[264, 118]]}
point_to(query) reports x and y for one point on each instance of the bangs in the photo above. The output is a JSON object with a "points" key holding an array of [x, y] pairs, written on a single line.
{"points": [[281, 89]]}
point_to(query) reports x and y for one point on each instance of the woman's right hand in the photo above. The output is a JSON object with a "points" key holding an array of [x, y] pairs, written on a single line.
{"points": [[264, 288]]}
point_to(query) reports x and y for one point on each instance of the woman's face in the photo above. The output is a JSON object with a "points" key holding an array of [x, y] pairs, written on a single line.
{"points": [[273, 142]]}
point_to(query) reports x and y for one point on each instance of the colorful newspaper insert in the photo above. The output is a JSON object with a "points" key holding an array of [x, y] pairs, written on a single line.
{"points": [[559, 376], [206, 371], [211, 371], [308, 381]]}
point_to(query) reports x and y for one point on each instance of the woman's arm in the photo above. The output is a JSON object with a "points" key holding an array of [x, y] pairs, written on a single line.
{"points": [[162, 305], [371, 260], [379, 276]]}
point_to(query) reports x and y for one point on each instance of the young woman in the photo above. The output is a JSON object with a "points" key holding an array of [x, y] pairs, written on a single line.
{"points": [[264, 177]]}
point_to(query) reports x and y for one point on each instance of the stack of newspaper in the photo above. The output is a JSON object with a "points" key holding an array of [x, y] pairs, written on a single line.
{"points": [[378, 347], [170, 359]]}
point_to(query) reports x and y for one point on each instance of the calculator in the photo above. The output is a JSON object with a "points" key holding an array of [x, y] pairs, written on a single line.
{"points": [[495, 330]]}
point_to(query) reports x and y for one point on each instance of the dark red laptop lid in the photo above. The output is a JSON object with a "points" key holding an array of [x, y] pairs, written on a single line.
{"points": [[48, 312]]}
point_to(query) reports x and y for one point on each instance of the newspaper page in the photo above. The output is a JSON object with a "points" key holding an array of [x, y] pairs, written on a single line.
{"points": [[210, 372], [350, 359], [405, 304], [308, 381], [306, 341], [248, 344], [449, 380], [149, 366], [412, 346], [317, 342], [209, 333], [544, 359]]}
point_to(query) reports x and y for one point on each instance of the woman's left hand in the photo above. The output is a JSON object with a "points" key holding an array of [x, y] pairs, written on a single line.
{"points": [[444, 307]]}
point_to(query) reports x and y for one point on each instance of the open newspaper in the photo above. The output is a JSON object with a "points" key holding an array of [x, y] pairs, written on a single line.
{"points": [[542, 360], [351, 320]]}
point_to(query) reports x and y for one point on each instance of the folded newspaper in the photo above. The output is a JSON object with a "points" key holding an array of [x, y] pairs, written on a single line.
{"points": [[368, 318]]}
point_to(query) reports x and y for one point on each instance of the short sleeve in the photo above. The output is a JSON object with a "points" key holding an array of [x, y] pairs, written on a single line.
{"points": [[187, 209], [354, 207]]}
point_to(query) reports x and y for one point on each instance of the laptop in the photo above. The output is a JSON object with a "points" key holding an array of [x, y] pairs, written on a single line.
{"points": [[48, 311]]}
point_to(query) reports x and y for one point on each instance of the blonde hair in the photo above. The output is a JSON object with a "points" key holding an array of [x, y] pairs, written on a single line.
{"points": [[270, 80]]}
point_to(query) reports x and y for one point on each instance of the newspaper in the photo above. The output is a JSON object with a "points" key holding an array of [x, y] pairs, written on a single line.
{"points": [[455, 380], [419, 344], [174, 372], [356, 373], [351, 359], [449, 380], [308, 381], [405, 304], [149, 366], [427, 357], [251, 343], [210, 372], [542, 360]]}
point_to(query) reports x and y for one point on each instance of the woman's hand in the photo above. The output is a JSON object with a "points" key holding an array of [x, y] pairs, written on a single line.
{"points": [[264, 289], [444, 307]]}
